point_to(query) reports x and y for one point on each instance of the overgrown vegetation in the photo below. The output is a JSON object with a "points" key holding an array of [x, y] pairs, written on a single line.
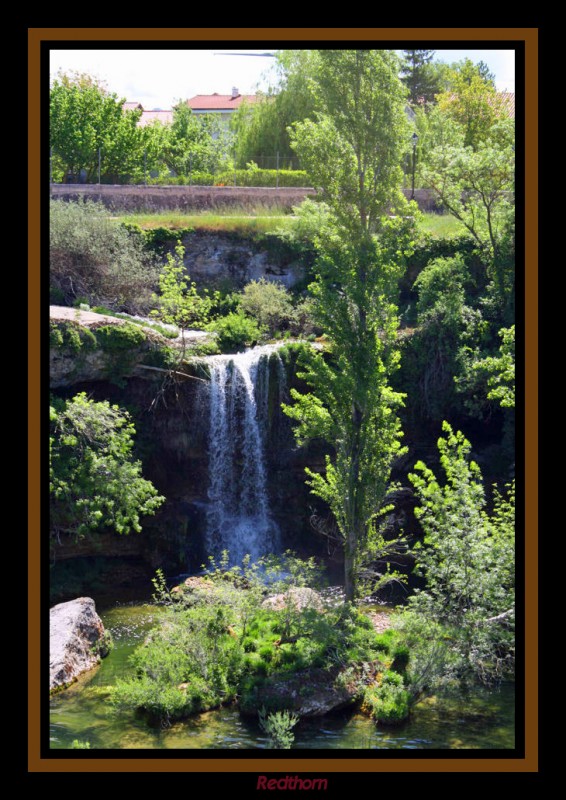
{"points": [[93, 259], [95, 483], [220, 641]]}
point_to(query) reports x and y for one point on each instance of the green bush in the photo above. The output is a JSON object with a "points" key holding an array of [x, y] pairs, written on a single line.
{"points": [[196, 178], [94, 258], [235, 332], [191, 664], [80, 745], [94, 480], [262, 177], [161, 239], [278, 727], [269, 304], [388, 702]]}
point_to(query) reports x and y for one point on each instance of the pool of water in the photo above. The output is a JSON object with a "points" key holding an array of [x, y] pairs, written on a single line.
{"points": [[481, 720]]}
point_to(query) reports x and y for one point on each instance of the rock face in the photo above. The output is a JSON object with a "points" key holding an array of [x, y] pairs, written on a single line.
{"points": [[216, 259], [74, 631], [309, 693]]}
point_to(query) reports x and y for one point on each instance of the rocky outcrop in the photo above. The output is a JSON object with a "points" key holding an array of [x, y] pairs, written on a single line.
{"points": [[76, 641], [309, 692], [222, 259]]}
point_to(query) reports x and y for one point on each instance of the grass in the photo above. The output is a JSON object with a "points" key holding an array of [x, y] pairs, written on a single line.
{"points": [[263, 219], [441, 225]]}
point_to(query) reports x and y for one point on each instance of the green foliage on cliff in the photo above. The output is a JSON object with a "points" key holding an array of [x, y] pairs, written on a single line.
{"points": [[119, 338], [467, 559], [94, 258], [95, 482], [269, 304], [71, 336], [179, 302], [235, 332]]}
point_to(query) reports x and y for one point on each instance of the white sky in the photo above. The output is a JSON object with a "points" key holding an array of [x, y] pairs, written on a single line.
{"points": [[158, 78]]}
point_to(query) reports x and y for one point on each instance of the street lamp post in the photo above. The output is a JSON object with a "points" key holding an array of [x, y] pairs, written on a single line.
{"points": [[414, 139]]}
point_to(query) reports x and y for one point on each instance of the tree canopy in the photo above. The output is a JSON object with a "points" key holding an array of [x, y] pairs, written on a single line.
{"points": [[352, 149], [94, 480], [84, 118], [420, 76]]}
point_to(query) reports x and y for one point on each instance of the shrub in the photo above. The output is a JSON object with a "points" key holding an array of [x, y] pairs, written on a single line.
{"points": [[80, 745], [268, 303], [94, 258], [94, 481], [388, 702], [235, 332], [190, 664], [262, 177], [196, 178], [279, 728]]}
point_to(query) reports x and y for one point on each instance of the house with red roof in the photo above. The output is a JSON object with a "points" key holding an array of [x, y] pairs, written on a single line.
{"points": [[222, 104]]}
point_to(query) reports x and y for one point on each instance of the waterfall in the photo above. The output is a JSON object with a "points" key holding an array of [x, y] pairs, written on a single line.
{"points": [[238, 515]]}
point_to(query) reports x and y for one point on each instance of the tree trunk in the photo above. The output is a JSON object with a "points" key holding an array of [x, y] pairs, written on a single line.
{"points": [[349, 571]]}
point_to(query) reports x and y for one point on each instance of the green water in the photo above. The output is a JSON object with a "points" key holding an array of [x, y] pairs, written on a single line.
{"points": [[483, 720]]}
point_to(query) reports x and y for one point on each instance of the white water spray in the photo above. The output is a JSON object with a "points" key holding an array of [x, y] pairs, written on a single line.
{"points": [[238, 515]]}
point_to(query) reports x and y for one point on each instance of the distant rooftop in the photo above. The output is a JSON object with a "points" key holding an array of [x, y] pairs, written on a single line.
{"points": [[165, 117], [220, 102], [508, 103]]}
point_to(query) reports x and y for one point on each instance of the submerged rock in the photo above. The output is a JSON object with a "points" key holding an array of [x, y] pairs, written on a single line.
{"points": [[77, 640]]}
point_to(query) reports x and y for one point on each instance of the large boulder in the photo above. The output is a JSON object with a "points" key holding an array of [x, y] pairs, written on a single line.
{"points": [[77, 640], [309, 693]]}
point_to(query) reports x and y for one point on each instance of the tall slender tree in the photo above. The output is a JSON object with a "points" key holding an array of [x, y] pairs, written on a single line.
{"points": [[353, 151], [420, 76]]}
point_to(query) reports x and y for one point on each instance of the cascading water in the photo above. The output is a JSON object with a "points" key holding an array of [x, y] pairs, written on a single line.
{"points": [[238, 515]]}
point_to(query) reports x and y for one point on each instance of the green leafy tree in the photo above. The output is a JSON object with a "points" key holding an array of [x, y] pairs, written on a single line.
{"points": [[261, 128], [179, 302], [445, 323], [85, 118], [95, 482], [472, 102], [354, 148], [195, 142], [477, 187], [268, 303], [420, 77], [488, 376], [501, 370], [467, 559], [353, 152]]}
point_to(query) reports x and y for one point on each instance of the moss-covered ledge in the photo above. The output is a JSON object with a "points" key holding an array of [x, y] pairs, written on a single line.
{"points": [[86, 346]]}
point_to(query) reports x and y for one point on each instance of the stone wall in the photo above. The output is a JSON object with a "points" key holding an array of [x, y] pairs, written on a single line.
{"points": [[158, 198]]}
